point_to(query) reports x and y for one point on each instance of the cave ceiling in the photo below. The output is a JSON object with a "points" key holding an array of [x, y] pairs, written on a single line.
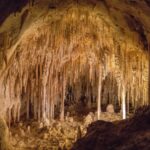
{"points": [[55, 40]]}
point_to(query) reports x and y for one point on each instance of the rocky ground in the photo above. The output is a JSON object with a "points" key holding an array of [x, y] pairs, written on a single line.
{"points": [[55, 136], [130, 134]]}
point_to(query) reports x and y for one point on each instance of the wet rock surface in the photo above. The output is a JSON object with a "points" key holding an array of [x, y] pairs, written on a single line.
{"points": [[130, 134]]}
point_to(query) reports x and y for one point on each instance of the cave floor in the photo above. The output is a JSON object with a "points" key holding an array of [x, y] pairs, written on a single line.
{"points": [[55, 136]]}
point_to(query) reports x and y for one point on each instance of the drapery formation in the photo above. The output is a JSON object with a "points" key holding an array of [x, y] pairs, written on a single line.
{"points": [[78, 50]]}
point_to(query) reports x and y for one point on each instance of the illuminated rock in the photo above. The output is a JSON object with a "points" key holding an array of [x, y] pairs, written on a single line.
{"points": [[90, 60], [89, 119], [4, 136], [28, 130], [41, 125], [22, 132], [110, 108], [73, 56]]}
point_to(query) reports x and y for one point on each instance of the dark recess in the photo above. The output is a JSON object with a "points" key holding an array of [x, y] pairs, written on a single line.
{"points": [[136, 26], [147, 2], [10, 6]]}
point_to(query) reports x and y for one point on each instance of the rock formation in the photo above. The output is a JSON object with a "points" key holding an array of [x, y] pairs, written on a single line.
{"points": [[4, 136], [123, 135], [73, 56]]}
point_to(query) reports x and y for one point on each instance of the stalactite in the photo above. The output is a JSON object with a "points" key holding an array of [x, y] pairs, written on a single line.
{"points": [[27, 97], [128, 99], [63, 96], [77, 46], [18, 111]]}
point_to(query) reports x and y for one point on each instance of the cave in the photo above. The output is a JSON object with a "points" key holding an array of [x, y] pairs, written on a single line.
{"points": [[74, 75]]}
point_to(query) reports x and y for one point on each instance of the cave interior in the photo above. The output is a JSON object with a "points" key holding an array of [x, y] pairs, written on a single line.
{"points": [[72, 70]]}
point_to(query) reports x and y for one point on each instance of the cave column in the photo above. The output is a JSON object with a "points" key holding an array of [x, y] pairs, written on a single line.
{"points": [[99, 93], [123, 102], [63, 99], [45, 75], [44, 103]]}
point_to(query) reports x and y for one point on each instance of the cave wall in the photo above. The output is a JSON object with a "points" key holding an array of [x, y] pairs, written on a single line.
{"points": [[88, 45]]}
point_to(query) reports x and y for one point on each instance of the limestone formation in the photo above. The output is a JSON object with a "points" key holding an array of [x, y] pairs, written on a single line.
{"points": [[110, 108], [89, 119], [4, 136], [69, 54], [61, 60]]}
